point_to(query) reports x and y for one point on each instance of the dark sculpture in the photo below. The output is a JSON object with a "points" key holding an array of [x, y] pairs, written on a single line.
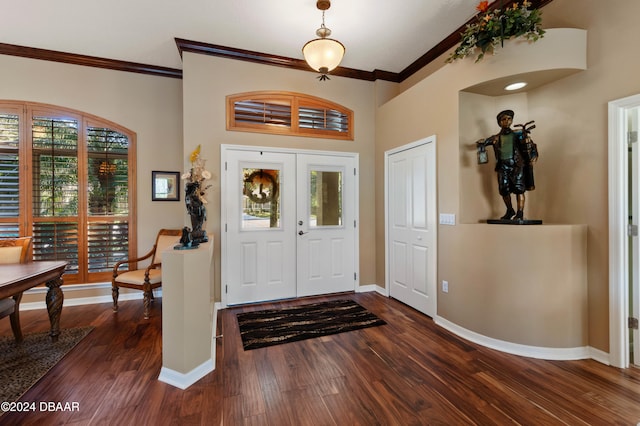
{"points": [[185, 240], [197, 212], [515, 154]]}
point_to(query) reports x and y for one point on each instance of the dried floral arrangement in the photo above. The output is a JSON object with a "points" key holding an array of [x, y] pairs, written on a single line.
{"points": [[197, 175]]}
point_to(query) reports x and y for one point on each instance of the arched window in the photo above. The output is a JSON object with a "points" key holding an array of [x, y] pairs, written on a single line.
{"points": [[65, 179], [287, 113]]}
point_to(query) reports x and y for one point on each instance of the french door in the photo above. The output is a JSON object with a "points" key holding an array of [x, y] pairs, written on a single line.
{"points": [[326, 224], [290, 221]]}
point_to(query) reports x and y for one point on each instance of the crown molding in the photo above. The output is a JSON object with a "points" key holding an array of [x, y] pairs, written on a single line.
{"points": [[263, 58], [280, 61], [89, 61], [247, 55]]}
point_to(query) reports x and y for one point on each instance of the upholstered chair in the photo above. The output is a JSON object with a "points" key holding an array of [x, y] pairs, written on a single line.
{"points": [[146, 279], [13, 250]]}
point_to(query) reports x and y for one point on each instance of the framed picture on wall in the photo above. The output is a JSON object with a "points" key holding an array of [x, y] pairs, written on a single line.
{"points": [[165, 186]]}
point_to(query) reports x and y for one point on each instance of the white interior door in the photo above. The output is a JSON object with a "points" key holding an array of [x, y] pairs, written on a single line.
{"points": [[411, 225], [290, 221], [326, 224], [261, 240]]}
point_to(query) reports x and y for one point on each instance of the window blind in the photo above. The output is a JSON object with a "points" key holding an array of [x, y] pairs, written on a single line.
{"points": [[108, 242], [56, 241], [262, 112], [9, 167], [323, 119], [288, 113], [72, 193]]}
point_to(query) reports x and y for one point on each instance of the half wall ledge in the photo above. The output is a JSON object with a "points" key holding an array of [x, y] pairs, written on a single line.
{"points": [[540, 310]]}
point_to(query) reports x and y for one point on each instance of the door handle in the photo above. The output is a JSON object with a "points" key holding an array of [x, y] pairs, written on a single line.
{"points": [[302, 232]]}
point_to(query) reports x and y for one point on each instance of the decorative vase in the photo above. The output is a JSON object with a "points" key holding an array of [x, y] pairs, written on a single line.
{"points": [[197, 212]]}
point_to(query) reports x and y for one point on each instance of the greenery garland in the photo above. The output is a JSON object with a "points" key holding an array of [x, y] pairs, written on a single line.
{"points": [[492, 27]]}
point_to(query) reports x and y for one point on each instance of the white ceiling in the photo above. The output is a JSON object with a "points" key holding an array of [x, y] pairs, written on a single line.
{"points": [[378, 34]]}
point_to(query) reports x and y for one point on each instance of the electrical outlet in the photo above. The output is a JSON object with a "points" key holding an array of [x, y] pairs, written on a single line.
{"points": [[445, 286]]}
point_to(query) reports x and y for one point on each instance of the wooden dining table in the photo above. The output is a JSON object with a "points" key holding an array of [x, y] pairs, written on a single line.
{"points": [[15, 278]]}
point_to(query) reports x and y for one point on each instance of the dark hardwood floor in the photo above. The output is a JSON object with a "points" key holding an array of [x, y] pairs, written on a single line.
{"points": [[408, 372]]}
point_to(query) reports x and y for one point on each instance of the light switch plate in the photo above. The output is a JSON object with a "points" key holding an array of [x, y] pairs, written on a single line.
{"points": [[447, 219]]}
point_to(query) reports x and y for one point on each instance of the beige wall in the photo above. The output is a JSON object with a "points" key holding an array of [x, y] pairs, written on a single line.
{"points": [[149, 106], [571, 133], [208, 80], [576, 110], [542, 304], [571, 114]]}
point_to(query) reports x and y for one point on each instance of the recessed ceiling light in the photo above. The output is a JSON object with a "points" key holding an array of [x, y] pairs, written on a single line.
{"points": [[516, 86]]}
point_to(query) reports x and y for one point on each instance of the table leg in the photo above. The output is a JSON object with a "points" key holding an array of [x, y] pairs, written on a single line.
{"points": [[15, 318], [55, 297]]}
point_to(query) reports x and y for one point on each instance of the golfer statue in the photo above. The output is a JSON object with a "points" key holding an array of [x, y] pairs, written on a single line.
{"points": [[515, 154]]}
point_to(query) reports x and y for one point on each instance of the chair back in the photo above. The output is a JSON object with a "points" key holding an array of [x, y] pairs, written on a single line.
{"points": [[166, 238], [14, 250]]}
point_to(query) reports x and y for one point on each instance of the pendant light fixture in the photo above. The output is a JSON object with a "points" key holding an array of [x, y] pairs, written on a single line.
{"points": [[323, 54]]}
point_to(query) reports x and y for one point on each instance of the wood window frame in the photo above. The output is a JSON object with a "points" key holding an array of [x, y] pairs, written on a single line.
{"points": [[27, 219], [294, 101]]}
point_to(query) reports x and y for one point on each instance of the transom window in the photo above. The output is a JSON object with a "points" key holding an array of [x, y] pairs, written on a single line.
{"points": [[287, 113], [65, 180]]}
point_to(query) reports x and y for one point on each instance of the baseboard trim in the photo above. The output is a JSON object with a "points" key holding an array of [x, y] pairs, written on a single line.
{"points": [[78, 301], [371, 287], [184, 380], [600, 356], [557, 354]]}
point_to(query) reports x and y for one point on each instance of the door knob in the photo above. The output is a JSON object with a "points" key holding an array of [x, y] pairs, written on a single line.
{"points": [[302, 233]]}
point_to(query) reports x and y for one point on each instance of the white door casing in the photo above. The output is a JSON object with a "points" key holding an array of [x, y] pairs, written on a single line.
{"points": [[633, 120], [634, 247], [619, 246], [411, 228]]}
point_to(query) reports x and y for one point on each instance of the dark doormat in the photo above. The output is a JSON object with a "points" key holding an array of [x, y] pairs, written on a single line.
{"points": [[276, 326]]}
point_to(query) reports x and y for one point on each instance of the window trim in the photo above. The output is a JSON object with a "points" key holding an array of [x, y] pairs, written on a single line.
{"points": [[26, 111], [295, 100]]}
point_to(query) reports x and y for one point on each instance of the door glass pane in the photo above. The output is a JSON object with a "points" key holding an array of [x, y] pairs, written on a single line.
{"points": [[260, 198], [325, 198]]}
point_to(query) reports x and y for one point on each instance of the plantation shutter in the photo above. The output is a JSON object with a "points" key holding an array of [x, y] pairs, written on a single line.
{"points": [[288, 113], [108, 198], [68, 180], [9, 175], [263, 112], [323, 119], [55, 190], [108, 243]]}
